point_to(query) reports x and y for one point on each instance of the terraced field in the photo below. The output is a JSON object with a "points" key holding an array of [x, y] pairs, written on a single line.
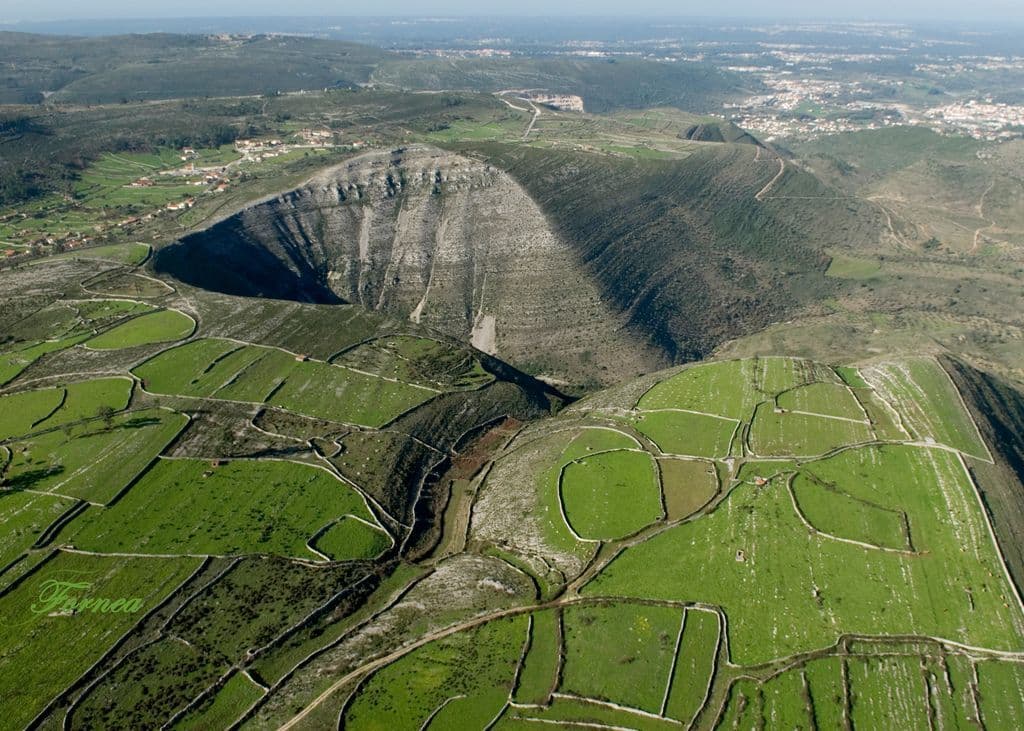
{"points": [[193, 507], [63, 325], [179, 506], [776, 581], [155, 327], [227, 512], [223, 369]]}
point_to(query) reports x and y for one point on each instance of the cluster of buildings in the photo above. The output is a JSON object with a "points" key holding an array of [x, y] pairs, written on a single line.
{"points": [[983, 120], [801, 105], [260, 150], [321, 137]]}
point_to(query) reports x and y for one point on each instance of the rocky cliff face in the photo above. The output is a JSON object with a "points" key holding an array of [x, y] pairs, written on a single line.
{"points": [[442, 239], [588, 268]]}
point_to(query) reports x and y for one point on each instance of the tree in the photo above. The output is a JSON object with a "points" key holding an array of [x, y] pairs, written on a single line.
{"points": [[106, 412]]}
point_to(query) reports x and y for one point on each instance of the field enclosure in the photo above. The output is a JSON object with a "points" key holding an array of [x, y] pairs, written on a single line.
{"points": [[221, 369], [764, 575]]}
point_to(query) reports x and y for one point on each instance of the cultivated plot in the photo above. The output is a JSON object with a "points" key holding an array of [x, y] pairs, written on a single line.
{"points": [[726, 389], [225, 707], [98, 398], [687, 485], [776, 432], [21, 411], [827, 399], [422, 361], [185, 506], [611, 494], [729, 558], [155, 327], [127, 254], [17, 359], [928, 402], [621, 653], [686, 433], [462, 680], [41, 622], [223, 369], [24, 516], [538, 678], [94, 460]]}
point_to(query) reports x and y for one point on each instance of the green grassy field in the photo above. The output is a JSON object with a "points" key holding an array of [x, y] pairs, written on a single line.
{"points": [[687, 485], [89, 399], [548, 484], [829, 399], [848, 267], [1001, 688], [837, 513], [778, 434], [851, 377], [20, 411], [92, 461], [222, 369], [255, 379], [620, 653], [156, 327], [685, 433], [466, 676], [226, 706], [827, 690], [128, 254], [744, 710], [331, 392], [888, 691], [70, 643], [719, 388], [929, 403], [351, 538], [853, 584], [695, 662], [25, 516], [197, 368], [193, 507], [609, 495], [539, 674], [784, 703], [733, 388], [885, 423]]}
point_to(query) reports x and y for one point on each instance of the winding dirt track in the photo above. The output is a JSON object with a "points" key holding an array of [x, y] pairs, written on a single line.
{"points": [[981, 214], [771, 183]]}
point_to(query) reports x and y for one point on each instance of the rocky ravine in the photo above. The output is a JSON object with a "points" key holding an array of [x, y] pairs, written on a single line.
{"points": [[439, 238]]}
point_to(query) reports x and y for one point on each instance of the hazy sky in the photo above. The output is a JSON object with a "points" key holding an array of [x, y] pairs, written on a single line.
{"points": [[979, 10]]}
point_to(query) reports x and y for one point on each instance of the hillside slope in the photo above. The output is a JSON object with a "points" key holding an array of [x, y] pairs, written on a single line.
{"points": [[245, 474], [604, 85], [427, 235], [150, 66], [759, 543], [585, 266], [163, 66], [318, 507]]}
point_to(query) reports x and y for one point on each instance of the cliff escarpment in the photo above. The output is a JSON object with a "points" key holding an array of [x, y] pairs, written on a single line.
{"points": [[588, 268], [442, 239]]}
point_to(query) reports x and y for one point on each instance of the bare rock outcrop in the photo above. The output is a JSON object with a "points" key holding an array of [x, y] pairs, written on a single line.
{"points": [[442, 239]]}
